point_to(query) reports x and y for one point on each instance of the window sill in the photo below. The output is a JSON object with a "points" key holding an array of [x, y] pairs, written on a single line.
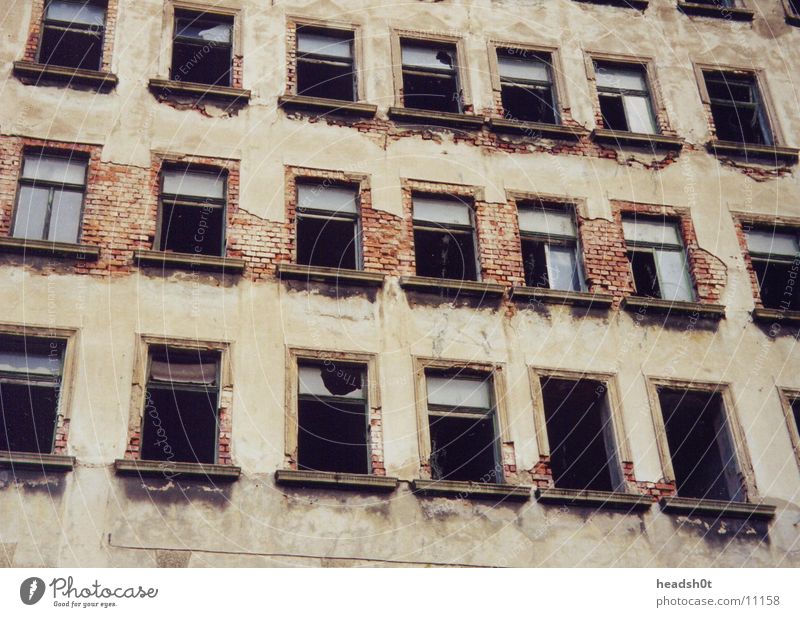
{"points": [[557, 296], [32, 461], [463, 288], [344, 481], [767, 154], [713, 10], [162, 259], [167, 87], [50, 249], [640, 140], [675, 307], [599, 499], [33, 73], [334, 276], [640, 5], [436, 118], [327, 106], [767, 315], [222, 473], [537, 129], [716, 508], [471, 490]]}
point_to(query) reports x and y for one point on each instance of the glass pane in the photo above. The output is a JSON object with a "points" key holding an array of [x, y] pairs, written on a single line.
{"points": [[189, 369], [76, 12], [205, 30], [331, 198], [31, 212], [54, 169], [640, 119], [545, 221], [443, 57], [673, 276], [622, 78], [338, 46], [332, 379], [518, 67], [441, 210], [194, 183], [563, 268], [458, 391], [774, 243], [643, 230], [18, 361], [65, 217]]}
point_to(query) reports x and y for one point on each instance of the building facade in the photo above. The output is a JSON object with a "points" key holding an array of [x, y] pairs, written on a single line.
{"points": [[458, 282]]}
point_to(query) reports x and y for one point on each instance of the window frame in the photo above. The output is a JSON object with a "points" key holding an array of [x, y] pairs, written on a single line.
{"points": [[759, 257], [495, 371], [295, 356], [66, 27], [297, 23], [52, 186], [736, 433], [623, 93], [787, 397]]}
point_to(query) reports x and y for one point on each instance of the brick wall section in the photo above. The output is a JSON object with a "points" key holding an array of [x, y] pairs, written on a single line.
{"points": [[605, 257], [740, 227], [291, 57]]}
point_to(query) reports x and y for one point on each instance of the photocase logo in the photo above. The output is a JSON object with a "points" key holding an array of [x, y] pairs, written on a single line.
{"points": [[31, 590]]}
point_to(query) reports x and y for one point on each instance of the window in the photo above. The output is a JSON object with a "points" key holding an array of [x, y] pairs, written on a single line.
{"points": [[625, 103], [192, 211], [50, 198], [30, 382], [700, 444], [325, 64], [580, 432], [333, 418], [737, 107], [72, 34], [463, 427], [181, 406], [794, 7], [657, 259], [328, 225], [202, 48], [444, 239], [430, 76], [774, 254], [526, 82], [795, 405], [549, 247]]}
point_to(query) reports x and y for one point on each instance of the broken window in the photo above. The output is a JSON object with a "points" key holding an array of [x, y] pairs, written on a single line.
{"points": [[50, 198], [333, 418], [526, 80], [444, 238], [181, 406], [657, 259], [72, 34], [737, 107], [30, 380], [583, 451], [775, 254], [463, 427], [325, 64], [549, 247], [700, 445], [192, 211], [430, 76], [202, 50], [625, 103], [327, 225]]}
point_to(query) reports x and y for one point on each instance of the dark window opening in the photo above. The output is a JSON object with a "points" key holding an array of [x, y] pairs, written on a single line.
{"points": [[72, 34], [333, 422], [645, 274], [717, 3], [202, 50], [30, 380], [180, 421], [328, 226], [325, 64], [700, 445], [445, 254], [528, 104], [613, 113], [796, 413], [526, 86], [549, 243], [794, 5], [535, 263], [737, 108], [430, 77], [775, 284], [463, 449], [579, 430], [624, 97]]}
